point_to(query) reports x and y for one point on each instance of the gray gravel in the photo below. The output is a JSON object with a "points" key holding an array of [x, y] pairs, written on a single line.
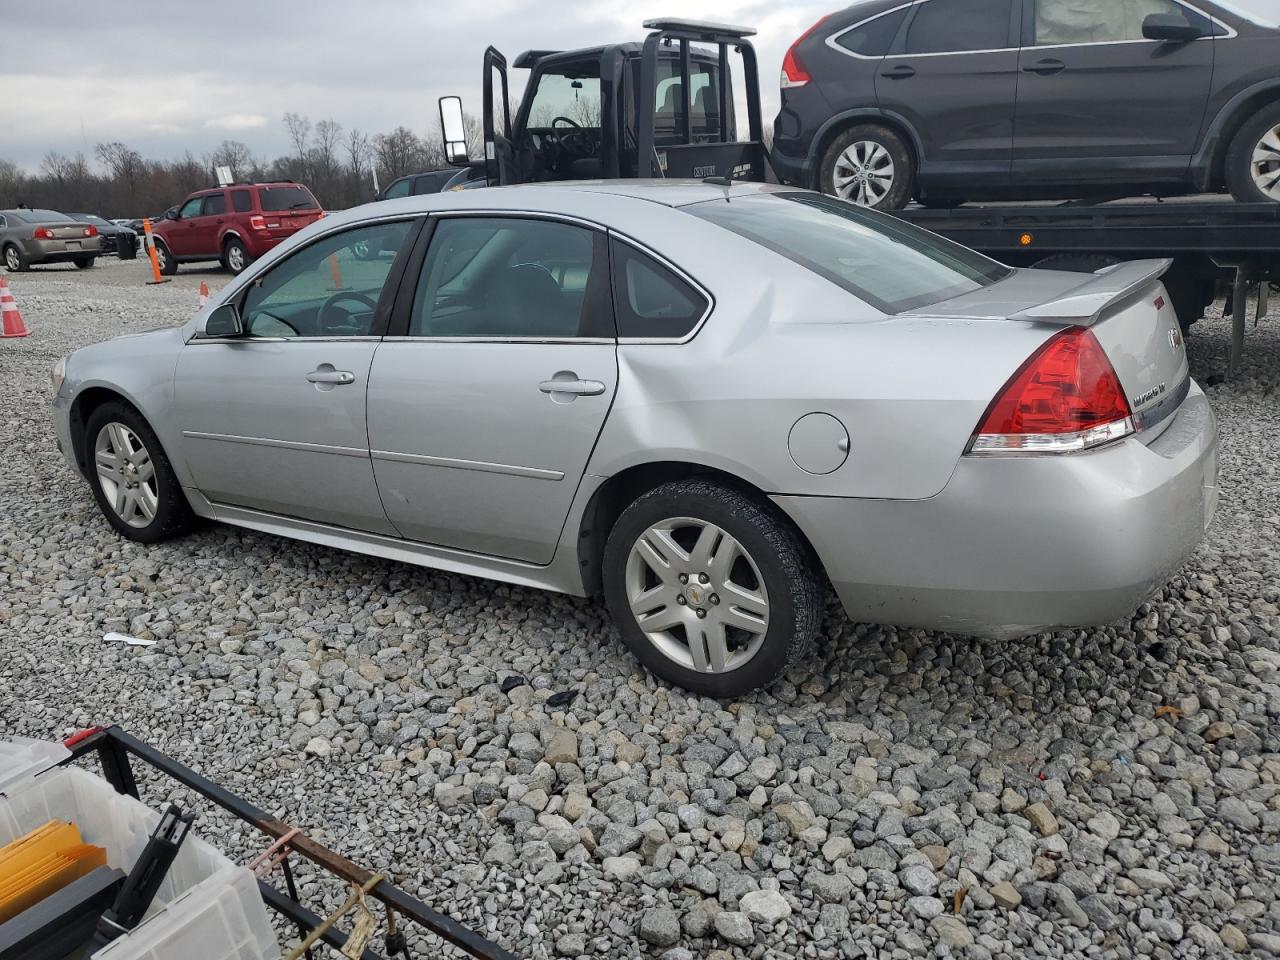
{"points": [[495, 750]]}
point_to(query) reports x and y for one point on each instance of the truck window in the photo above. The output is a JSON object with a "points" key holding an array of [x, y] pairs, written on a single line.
{"points": [[704, 81], [572, 93]]}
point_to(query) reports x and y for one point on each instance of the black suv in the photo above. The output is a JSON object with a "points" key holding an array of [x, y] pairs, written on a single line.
{"points": [[954, 100]]}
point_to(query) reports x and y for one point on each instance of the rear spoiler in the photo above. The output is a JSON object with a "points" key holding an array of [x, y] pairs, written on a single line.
{"points": [[1084, 305]]}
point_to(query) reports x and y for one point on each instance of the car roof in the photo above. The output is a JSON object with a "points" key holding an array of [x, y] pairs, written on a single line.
{"points": [[669, 193]]}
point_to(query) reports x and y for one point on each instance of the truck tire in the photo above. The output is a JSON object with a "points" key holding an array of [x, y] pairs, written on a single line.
{"points": [[1253, 160], [870, 165]]}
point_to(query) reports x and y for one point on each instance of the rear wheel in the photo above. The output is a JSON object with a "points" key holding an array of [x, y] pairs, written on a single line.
{"points": [[14, 259], [1253, 161], [168, 264], [133, 482], [710, 588], [235, 256], [869, 165], [84, 263]]}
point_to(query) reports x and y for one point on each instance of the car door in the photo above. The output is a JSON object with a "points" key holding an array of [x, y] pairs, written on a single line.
{"points": [[486, 403], [953, 76], [275, 420], [183, 235], [208, 225], [1097, 101]]}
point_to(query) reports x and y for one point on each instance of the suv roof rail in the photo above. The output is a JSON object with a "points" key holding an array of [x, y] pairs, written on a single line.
{"points": [[699, 29]]}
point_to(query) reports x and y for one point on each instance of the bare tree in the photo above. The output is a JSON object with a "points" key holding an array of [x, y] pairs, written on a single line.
{"points": [[233, 154], [299, 135], [359, 153], [398, 152], [125, 164]]}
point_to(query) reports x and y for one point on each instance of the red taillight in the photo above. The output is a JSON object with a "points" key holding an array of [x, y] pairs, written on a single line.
{"points": [[43, 233], [793, 72], [90, 231], [1065, 398], [257, 223]]}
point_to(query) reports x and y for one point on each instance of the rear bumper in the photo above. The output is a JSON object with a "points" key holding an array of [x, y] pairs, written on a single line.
{"points": [[58, 251], [1014, 546], [797, 171]]}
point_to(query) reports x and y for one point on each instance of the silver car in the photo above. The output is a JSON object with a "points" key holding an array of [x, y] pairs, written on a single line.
{"points": [[46, 236], [703, 402]]}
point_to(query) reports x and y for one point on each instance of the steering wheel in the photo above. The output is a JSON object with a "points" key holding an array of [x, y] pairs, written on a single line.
{"points": [[347, 322], [573, 140]]}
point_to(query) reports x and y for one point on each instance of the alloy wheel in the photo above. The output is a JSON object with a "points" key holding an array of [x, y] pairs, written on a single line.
{"points": [[864, 173], [11, 259], [235, 258], [1265, 165], [126, 474], [162, 257], [697, 595]]}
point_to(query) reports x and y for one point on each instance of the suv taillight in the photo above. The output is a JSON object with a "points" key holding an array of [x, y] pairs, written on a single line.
{"points": [[1064, 399], [257, 222], [42, 233], [793, 72]]}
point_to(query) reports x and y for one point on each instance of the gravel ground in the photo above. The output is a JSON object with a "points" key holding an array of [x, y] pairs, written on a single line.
{"points": [[495, 750]]}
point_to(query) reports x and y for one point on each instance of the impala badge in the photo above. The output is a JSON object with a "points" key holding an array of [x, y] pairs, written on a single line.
{"points": [[1175, 339], [1149, 396]]}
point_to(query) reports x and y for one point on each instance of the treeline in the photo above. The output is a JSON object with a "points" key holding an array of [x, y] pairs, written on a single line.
{"points": [[336, 163]]}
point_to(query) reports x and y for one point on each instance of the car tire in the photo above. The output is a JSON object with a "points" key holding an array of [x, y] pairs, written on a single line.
{"points": [[877, 151], [85, 263], [750, 552], [168, 263], [235, 256], [15, 261], [1253, 174], [145, 504]]}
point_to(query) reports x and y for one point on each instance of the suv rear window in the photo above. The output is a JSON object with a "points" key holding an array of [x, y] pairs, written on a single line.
{"points": [[286, 197], [891, 265]]}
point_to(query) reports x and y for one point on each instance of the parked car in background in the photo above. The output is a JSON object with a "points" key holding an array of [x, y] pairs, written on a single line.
{"points": [[889, 100], [116, 239], [702, 401], [233, 225], [434, 181], [29, 237]]}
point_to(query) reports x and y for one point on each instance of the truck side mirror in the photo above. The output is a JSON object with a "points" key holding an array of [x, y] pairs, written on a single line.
{"points": [[454, 130]]}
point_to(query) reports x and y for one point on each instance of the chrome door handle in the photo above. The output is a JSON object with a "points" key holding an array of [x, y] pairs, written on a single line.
{"points": [[331, 376], [577, 388]]}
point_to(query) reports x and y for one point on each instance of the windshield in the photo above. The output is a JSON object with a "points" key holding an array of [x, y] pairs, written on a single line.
{"points": [[291, 197], [572, 93], [889, 264]]}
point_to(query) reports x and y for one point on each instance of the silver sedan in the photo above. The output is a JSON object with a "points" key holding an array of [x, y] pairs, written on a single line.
{"points": [[704, 403]]}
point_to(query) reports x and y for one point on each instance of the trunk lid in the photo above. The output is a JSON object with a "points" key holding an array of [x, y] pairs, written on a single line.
{"points": [[1127, 309]]}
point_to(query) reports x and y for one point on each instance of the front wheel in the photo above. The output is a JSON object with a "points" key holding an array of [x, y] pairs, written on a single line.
{"points": [[710, 588], [869, 165], [133, 482], [1253, 160]]}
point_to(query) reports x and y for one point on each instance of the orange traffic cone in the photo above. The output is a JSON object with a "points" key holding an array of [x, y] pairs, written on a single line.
{"points": [[204, 294], [12, 319]]}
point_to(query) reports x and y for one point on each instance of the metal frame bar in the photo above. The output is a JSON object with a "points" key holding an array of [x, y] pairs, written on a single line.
{"points": [[115, 747]]}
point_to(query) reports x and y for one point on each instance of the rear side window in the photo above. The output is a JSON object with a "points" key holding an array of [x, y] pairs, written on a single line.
{"points": [[959, 26], [215, 204], [241, 201], [650, 301], [875, 37], [881, 260], [287, 197]]}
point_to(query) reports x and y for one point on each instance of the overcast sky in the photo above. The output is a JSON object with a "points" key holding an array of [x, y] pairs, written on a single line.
{"points": [[184, 76]]}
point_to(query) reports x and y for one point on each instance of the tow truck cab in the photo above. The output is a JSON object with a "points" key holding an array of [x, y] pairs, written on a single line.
{"points": [[654, 109]]}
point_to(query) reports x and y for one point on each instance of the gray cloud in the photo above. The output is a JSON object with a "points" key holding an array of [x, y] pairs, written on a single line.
{"points": [[185, 76]]}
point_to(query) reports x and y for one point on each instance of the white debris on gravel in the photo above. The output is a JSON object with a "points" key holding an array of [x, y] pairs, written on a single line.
{"points": [[496, 751]]}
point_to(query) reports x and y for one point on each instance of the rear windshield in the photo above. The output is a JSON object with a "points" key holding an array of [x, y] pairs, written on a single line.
{"points": [[42, 216], [289, 197], [888, 263]]}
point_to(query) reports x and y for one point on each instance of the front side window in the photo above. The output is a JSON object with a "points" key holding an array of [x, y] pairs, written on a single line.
{"points": [[191, 208], [512, 278], [214, 205], [330, 288], [398, 189], [960, 26], [875, 37], [1104, 21], [650, 301], [883, 261]]}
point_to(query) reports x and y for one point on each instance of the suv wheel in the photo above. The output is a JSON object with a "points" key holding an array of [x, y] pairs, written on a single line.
{"points": [[14, 261], [711, 589], [869, 165], [1253, 162], [235, 256], [168, 265], [136, 488]]}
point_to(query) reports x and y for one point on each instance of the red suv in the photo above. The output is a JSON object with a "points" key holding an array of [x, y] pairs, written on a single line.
{"points": [[233, 225]]}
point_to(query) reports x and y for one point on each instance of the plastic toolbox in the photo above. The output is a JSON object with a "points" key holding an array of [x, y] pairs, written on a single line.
{"points": [[21, 759]]}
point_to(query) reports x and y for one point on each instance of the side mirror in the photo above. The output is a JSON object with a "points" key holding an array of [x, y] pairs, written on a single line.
{"points": [[1171, 28], [171, 213], [454, 131], [224, 322]]}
